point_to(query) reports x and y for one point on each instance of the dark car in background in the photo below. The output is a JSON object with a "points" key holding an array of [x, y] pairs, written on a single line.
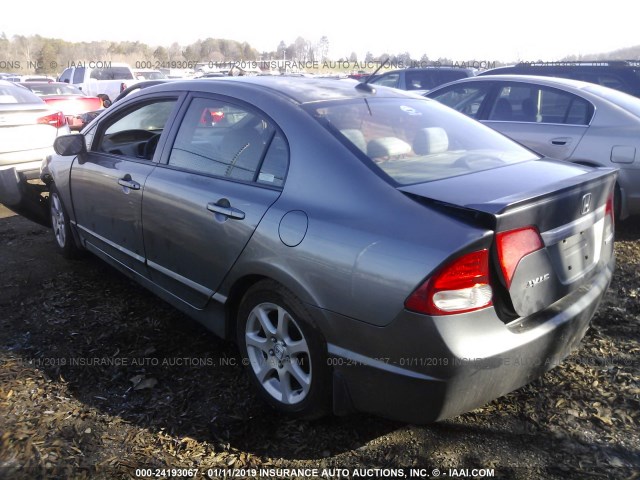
{"points": [[423, 79], [368, 249], [620, 75]]}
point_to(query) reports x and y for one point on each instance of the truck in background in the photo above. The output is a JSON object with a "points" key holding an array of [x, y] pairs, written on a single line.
{"points": [[104, 80]]}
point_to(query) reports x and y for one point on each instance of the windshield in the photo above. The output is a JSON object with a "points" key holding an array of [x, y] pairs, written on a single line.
{"points": [[150, 75], [630, 103], [416, 140]]}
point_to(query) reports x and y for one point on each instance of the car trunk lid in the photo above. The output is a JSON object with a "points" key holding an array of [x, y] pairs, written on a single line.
{"points": [[20, 129], [570, 214]]}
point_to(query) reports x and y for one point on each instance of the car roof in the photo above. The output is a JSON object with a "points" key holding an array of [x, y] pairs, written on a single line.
{"points": [[431, 68], [595, 64], [299, 89], [40, 83], [539, 80]]}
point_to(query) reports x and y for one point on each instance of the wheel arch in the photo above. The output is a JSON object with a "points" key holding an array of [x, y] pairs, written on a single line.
{"points": [[253, 274]]}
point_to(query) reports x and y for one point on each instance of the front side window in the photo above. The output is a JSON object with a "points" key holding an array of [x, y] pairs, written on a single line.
{"points": [[226, 140], [421, 79], [66, 76], [78, 75], [465, 98], [414, 140], [136, 133], [535, 104]]}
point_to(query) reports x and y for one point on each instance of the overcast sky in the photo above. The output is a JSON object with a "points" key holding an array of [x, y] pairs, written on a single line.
{"points": [[460, 30]]}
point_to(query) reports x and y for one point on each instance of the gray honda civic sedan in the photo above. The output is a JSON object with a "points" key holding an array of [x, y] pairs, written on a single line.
{"points": [[368, 250]]}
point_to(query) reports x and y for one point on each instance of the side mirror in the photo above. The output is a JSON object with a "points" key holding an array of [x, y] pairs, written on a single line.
{"points": [[70, 145]]}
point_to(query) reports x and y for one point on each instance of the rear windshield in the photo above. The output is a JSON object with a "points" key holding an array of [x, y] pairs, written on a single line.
{"points": [[623, 100], [16, 94], [417, 140], [54, 89]]}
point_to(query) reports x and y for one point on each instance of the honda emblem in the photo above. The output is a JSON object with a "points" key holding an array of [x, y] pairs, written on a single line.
{"points": [[586, 204]]}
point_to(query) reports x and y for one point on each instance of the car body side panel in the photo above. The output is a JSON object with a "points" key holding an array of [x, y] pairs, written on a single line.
{"points": [[108, 214], [190, 249], [381, 257], [553, 141]]}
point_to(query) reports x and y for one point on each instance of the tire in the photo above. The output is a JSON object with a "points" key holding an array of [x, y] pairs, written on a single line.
{"points": [[285, 355], [617, 203], [64, 240]]}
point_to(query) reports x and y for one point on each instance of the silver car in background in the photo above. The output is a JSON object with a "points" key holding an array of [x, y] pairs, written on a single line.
{"points": [[28, 127], [560, 118], [368, 249]]}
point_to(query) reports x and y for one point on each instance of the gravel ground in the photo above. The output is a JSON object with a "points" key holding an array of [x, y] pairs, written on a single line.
{"points": [[99, 379]]}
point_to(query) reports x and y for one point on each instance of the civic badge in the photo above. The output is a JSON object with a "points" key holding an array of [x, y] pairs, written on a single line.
{"points": [[586, 204]]}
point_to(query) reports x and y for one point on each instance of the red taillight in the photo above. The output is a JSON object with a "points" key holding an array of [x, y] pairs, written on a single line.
{"points": [[123, 87], [513, 246], [609, 210], [55, 120], [460, 286]]}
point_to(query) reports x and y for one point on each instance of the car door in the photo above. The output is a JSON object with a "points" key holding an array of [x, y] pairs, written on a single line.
{"points": [[202, 204], [107, 183], [547, 120]]}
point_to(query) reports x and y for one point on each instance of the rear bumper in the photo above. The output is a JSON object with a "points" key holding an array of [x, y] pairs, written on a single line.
{"points": [[22, 196], [421, 369]]}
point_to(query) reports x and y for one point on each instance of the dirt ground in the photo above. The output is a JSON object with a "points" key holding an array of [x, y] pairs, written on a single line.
{"points": [[100, 379]]}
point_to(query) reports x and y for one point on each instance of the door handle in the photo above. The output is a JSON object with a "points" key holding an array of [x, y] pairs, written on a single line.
{"points": [[224, 208], [127, 182], [560, 141]]}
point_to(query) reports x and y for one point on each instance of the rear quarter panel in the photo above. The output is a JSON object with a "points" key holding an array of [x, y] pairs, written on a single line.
{"points": [[367, 246]]}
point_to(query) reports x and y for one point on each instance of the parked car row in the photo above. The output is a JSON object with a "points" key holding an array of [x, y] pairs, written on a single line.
{"points": [[619, 75], [565, 119], [28, 128], [342, 235], [301, 216]]}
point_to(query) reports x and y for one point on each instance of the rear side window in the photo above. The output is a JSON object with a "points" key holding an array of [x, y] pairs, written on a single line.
{"points": [[226, 140], [447, 76], [535, 104]]}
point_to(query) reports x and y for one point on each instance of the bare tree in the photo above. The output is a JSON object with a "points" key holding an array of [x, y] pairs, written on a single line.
{"points": [[323, 48]]}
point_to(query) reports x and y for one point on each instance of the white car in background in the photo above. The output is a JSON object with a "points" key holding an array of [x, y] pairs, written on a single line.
{"points": [[28, 128]]}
